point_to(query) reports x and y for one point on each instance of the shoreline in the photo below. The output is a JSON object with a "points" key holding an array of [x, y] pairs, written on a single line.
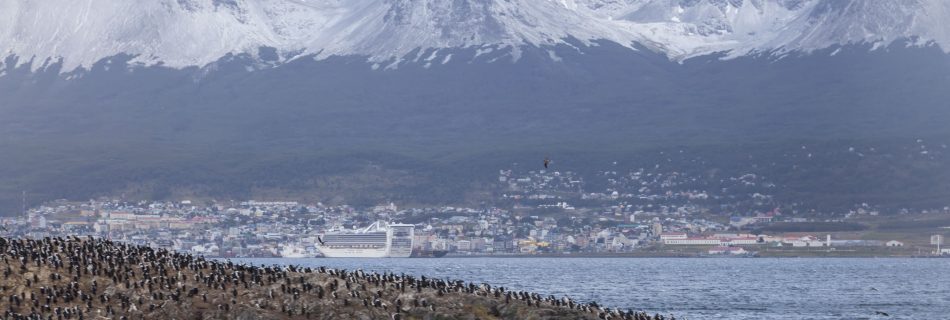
{"points": [[631, 256], [73, 278]]}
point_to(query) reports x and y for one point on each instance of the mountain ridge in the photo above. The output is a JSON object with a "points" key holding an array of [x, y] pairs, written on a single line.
{"points": [[185, 33], [397, 105]]}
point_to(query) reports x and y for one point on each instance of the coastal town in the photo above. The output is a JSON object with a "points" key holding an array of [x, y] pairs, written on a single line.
{"points": [[540, 213]]}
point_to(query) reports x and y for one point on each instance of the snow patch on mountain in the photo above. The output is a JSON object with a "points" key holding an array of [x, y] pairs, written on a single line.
{"points": [[686, 28], [182, 33]]}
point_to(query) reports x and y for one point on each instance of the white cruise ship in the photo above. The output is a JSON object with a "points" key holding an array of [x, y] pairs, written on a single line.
{"points": [[379, 240]]}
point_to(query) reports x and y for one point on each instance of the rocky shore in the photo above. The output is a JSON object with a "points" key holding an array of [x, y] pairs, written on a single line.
{"points": [[73, 278]]}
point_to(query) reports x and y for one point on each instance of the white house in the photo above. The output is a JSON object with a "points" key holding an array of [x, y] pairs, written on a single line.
{"points": [[463, 245], [621, 242], [801, 243], [804, 241]]}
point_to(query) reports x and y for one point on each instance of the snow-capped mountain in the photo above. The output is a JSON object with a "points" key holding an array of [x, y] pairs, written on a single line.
{"points": [[697, 27], [411, 99], [180, 33]]}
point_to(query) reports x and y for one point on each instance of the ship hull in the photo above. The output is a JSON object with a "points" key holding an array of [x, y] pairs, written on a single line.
{"points": [[297, 256], [354, 252]]}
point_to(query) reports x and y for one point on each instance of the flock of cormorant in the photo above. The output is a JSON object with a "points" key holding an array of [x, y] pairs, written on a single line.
{"points": [[88, 278]]}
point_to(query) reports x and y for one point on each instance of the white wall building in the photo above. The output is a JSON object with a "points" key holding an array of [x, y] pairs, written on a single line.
{"points": [[693, 242], [807, 243], [742, 241], [673, 236], [463, 245]]}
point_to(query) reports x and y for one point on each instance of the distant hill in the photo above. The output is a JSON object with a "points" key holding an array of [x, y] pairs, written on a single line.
{"points": [[338, 127], [421, 102]]}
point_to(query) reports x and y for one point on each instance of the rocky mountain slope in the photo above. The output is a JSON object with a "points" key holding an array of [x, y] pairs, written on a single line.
{"points": [[181, 33]]}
